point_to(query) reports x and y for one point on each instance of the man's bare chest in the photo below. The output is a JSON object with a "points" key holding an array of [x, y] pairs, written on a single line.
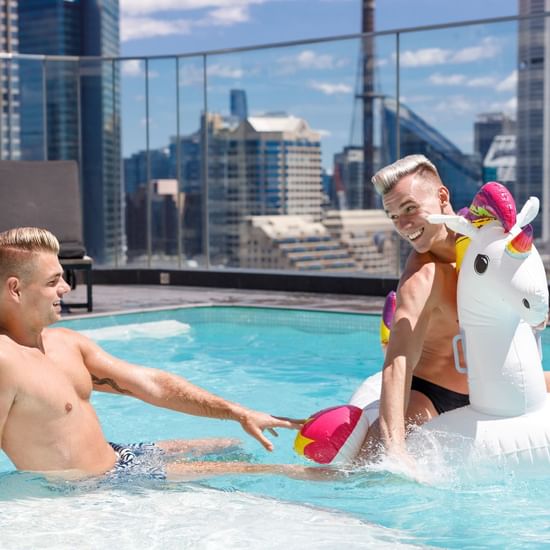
{"points": [[51, 386]]}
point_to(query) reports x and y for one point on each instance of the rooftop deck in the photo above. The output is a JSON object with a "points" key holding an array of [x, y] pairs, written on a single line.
{"points": [[117, 298]]}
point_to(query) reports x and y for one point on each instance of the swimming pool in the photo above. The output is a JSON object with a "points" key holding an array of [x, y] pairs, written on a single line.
{"points": [[286, 362]]}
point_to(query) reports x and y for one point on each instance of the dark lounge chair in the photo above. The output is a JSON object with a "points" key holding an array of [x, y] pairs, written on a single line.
{"points": [[47, 194]]}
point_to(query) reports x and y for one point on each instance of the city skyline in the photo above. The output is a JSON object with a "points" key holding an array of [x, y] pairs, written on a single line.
{"points": [[451, 82], [447, 86]]}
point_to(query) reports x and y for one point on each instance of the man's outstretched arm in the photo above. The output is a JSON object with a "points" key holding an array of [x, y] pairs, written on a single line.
{"points": [[170, 391], [414, 305]]}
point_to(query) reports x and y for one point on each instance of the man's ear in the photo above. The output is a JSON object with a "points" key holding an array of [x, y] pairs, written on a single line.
{"points": [[443, 194], [14, 287]]}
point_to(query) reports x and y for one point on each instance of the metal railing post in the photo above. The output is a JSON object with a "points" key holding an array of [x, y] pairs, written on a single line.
{"points": [[148, 169], [205, 163]]}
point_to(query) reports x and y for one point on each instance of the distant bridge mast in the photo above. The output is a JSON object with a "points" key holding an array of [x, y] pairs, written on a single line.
{"points": [[367, 28]]}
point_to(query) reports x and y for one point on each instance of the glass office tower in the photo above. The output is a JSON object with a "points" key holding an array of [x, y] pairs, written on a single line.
{"points": [[10, 145], [533, 96], [81, 100]]}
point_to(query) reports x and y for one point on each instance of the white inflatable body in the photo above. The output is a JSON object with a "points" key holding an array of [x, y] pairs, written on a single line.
{"points": [[502, 294]]}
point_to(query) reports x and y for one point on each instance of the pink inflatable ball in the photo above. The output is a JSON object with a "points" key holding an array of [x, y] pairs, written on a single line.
{"points": [[333, 435]]}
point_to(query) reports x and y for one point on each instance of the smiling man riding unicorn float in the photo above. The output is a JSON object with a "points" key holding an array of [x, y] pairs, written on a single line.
{"points": [[502, 296]]}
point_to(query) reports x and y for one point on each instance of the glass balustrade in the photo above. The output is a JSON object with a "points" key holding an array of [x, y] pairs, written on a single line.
{"points": [[260, 158]]}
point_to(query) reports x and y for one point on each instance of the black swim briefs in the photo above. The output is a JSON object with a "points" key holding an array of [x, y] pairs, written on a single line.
{"points": [[442, 399]]}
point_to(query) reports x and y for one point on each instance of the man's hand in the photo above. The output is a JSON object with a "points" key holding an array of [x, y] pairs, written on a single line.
{"points": [[254, 422]]}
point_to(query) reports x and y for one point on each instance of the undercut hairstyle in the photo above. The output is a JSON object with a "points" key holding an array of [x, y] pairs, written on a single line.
{"points": [[387, 178], [18, 247]]}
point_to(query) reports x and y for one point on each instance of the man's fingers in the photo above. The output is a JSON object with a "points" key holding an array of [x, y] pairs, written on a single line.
{"points": [[292, 423], [264, 441]]}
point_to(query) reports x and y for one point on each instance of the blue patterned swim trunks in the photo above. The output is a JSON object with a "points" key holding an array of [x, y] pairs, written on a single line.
{"points": [[142, 459]]}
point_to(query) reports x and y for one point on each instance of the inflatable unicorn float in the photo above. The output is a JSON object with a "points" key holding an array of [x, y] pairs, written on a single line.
{"points": [[502, 296]]}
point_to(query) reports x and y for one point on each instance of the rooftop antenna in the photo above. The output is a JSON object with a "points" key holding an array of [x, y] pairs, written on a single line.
{"points": [[367, 28]]}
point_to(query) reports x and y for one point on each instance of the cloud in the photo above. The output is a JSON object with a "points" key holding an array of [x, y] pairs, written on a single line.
{"points": [[132, 67], [225, 17], [324, 133], [509, 83], [136, 67], [331, 89], [224, 71], [192, 74], [310, 60], [423, 57], [144, 7], [140, 18], [482, 82], [135, 28], [461, 79], [446, 80], [508, 106], [456, 105], [487, 49]]}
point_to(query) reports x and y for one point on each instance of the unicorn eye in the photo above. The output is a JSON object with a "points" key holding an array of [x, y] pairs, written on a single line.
{"points": [[481, 263]]}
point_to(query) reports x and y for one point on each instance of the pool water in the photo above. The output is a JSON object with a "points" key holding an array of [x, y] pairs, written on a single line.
{"points": [[288, 363]]}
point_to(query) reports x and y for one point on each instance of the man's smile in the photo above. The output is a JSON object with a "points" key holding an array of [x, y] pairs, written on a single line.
{"points": [[413, 236]]}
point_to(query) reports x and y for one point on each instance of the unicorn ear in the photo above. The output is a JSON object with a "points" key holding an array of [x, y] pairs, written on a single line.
{"points": [[528, 212], [520, 246], [458, 224]]}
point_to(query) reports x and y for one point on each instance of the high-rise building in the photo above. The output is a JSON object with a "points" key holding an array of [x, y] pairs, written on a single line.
{"points": [[486, 127], [533, 129], [81, 106], [238, 104], [50, 27], [500, 162], [135, 168], [259, 166], [267, 165], [348, 176], [10, 126], [191, 170], [164, 221]]}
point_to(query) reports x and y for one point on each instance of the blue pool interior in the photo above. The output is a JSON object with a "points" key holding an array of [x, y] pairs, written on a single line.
{"points": [[288, 363]]}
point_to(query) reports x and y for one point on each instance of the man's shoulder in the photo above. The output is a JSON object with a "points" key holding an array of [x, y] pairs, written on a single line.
{"points": [[63, 334], [425, 265], [11, 354], [419, 267], [59, 331], [426, 276]]}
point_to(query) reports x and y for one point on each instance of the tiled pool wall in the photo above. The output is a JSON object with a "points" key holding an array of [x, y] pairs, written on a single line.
{"points": [[308, 320]]}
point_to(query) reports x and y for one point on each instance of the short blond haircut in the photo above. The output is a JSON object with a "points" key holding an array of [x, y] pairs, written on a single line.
{"points": [[387, 178], [18, 247]]}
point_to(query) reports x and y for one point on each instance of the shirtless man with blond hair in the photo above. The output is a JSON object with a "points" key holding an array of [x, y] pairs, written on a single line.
{"points": [[47, 422], [419, 380]]}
